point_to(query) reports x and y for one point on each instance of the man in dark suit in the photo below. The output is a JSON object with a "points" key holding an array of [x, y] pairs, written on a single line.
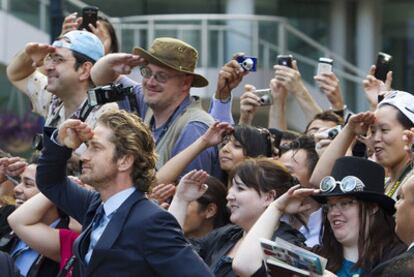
{"points": [[402, 265], [124, 234]]}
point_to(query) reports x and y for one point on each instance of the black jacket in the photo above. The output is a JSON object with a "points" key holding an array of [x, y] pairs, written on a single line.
{"points": [[42, 266], [401, 266], [214, 247]]}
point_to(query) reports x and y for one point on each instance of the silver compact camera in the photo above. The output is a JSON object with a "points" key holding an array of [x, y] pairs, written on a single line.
{"points": [[265, 95]]}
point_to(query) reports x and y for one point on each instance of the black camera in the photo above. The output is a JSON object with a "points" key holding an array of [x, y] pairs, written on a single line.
{"points": [[106, 94], [89, 16], [285, 60]]}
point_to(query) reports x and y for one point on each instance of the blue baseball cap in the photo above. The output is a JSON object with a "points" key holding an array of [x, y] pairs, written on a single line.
{"points": [[82, 42]]}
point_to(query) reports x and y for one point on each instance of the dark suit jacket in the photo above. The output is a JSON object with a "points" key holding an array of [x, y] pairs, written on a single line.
{"points": [[141, 239], [7, 267], [393, 265]]}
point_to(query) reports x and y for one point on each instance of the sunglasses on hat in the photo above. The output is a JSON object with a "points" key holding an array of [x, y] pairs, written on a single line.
{"points": [[346, 185]]}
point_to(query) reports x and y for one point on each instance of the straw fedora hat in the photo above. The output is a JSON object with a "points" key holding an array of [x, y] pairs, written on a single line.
{"points": [[175, 54]]}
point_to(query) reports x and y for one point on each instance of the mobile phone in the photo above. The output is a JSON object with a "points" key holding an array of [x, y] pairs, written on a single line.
{"points": [[265, 95], [89, 16], [324, 66], [285, 60], [383, 65]]}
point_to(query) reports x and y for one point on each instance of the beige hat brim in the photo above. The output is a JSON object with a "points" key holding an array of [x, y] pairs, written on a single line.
{"points": [[198, 81]]}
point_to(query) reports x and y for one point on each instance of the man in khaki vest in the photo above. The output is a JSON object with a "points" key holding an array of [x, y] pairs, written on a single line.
{"points": [[163, 99]]}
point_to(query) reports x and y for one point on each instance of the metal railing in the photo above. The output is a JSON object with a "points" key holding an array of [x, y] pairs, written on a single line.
{"points": [[210, 32]]}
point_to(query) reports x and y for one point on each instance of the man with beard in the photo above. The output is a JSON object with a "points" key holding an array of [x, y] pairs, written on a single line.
{"points": [[124, 233], [28, 261], [163, 99]]}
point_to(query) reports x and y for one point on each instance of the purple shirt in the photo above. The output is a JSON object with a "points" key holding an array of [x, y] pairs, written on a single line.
{"points": [[220, 110]]}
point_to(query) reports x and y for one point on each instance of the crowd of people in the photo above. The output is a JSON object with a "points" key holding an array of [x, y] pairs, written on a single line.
{"points": [[154, 185]]}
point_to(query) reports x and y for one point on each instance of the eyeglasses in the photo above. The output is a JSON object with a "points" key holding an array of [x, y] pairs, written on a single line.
{"points": [[340, 205], [348, 184], [160, 77], [54, 59]]}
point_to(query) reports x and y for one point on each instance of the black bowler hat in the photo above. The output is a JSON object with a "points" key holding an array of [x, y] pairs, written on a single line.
{"points": [[367, 186]]}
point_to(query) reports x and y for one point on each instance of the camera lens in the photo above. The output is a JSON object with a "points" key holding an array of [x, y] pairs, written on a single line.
{"points": [[247, 64], [333, 133]]}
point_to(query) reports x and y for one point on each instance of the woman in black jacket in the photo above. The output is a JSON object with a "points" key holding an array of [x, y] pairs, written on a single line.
{"points": [[255, 183]]}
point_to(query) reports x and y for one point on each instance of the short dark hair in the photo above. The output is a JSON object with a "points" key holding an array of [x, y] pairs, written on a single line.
{"points": [[307, 144], [216, 193], [254, 141], [326, 116], [81, 59], [264, 175]]}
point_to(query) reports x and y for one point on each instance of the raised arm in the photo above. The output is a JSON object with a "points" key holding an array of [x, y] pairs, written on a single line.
{"points": [[191, 187], [172, 169], [291, 79], [249, 256], [51, 176], [249, 102], [229, 77], [26, 62], [26, 221], [358, 124], [277, 111], [107, 69], [329, 85], [374, 87], [11, 167]]}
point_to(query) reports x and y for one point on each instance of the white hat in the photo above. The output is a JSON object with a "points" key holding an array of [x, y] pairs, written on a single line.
{"points": [[401, 100]]}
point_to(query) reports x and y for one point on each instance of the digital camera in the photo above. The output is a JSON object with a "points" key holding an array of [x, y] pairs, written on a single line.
{"points": [[106, 94], [331, 133], [247, 63], [265, 95]]}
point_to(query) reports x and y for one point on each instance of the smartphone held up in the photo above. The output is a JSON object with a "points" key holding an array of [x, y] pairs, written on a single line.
{"points": [[382, 66], [89, 16], [324, 66], [285, 60]]}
